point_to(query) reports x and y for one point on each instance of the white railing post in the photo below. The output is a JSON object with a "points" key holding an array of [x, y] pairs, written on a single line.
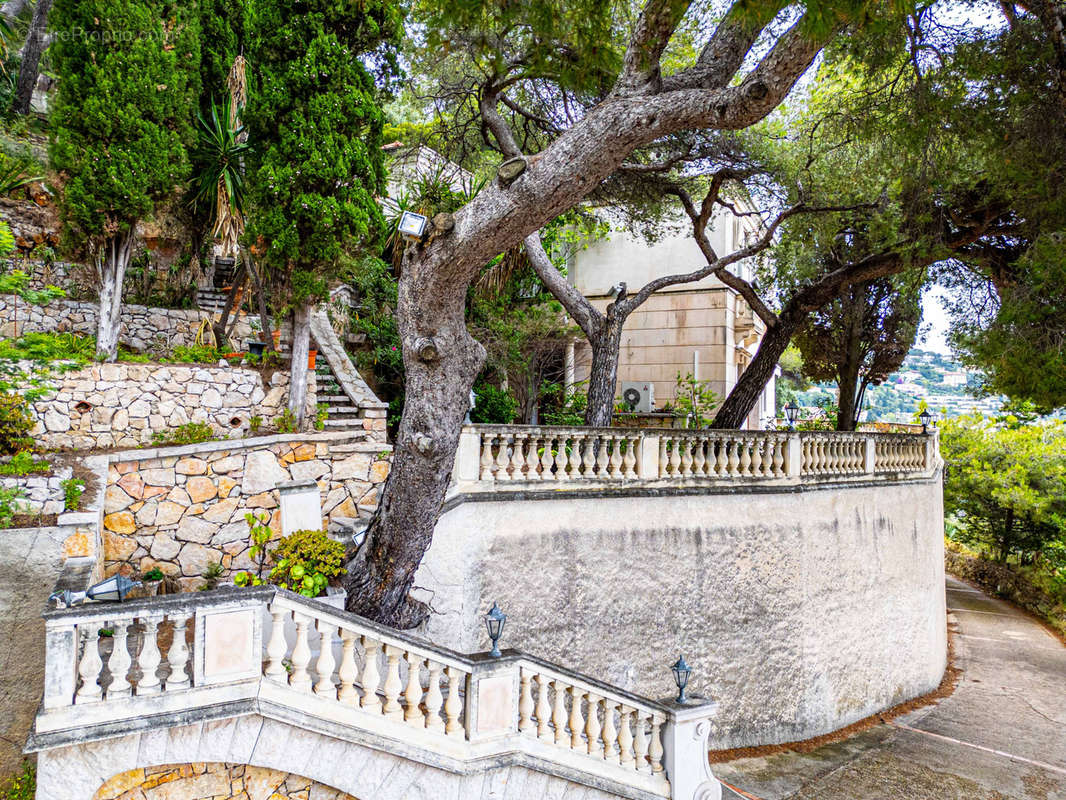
{"points": [[869, 455], [492, 701], [60, 664], [930, 450], [793, 455], [648, 458], [685, 751], [468, 456]]}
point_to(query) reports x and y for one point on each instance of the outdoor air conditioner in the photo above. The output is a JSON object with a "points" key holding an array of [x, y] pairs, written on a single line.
{"points": [[639, 396]]}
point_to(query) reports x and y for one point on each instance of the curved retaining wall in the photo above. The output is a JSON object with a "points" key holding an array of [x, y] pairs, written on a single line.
{"points": [[800, 610]]}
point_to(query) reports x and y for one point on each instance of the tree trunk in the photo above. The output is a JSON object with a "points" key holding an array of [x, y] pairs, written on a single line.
{"points": [[260, 296], [12, 8], [301, 343], [740, 402], [110, 273], [603, 376], [437, 399], [218, 328], [31, 57], [848, 393]]}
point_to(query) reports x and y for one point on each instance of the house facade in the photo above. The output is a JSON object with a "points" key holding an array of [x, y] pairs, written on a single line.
{"points": [[703, 328]]}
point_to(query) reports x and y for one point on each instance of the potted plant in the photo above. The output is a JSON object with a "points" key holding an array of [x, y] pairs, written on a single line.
{"points": [[151, 581], [312, 355]]}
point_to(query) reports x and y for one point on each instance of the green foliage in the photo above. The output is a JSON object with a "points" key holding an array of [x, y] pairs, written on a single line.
{"points": [[259, 533], [221, 40], [305, 561], [154, 574], [22, 786], [24, 463], [17, 282], [494, 406], [255, 422], [9, 503], [286, 423], [16, 422], [16, 173], [195, 354], [314, 117], [211, 575], [695, 401], [562, 408], [189, 433], [1005, 489], [47, 348], [321, 415], [121, 120], [218, 159], [72, 491]]}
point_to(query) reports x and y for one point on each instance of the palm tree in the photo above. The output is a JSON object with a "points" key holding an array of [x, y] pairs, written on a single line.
{"points": [[219, 177]]}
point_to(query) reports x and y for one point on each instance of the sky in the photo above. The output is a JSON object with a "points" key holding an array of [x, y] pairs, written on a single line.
{"points": [[935, 315]]}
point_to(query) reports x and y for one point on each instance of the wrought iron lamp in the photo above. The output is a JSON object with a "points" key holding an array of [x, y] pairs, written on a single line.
{"points": [[925, 418], [110, 590], [681, 671], [494, 621], [792, 412]]}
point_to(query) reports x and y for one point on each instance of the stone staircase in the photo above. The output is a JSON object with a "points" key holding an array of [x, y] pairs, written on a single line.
{"points": [[211, 300]]}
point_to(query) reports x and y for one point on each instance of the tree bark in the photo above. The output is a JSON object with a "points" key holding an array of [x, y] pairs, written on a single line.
{"points": [[738, 405], [603, 375], [111, 265], [301, 344], [31, 57], [848, 379], [219, 327]]}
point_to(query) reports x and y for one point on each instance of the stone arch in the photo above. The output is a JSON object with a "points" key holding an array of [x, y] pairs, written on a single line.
{"points": [[210, 780]]}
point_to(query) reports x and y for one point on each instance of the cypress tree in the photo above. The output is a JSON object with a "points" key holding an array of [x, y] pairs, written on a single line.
{"points": [[315, 121], [128, 75]]}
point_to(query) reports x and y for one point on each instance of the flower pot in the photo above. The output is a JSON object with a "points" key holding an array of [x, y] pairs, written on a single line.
{"points": [[151, 588], [255, 348], [277, 339], [312, 355]]}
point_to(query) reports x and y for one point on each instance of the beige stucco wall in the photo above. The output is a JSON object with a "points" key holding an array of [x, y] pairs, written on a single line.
{"points": [[800, 612]]}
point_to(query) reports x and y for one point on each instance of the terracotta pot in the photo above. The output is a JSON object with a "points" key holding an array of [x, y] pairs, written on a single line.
{"points": [[311, 357], [277, 339]]}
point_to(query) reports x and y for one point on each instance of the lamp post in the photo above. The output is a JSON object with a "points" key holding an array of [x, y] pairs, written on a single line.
{"points": [[792, 412], [925, 418], [681, 671], [494, 622], [110, 590]]}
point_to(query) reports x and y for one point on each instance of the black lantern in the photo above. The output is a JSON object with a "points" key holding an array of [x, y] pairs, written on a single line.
{"points": [[925, 418], [110, 590], [792, 412], [494, 621], [681, 671]]}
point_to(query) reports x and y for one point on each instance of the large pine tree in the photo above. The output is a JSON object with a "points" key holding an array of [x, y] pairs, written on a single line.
{"points": [[128, 85], [316, 124]]}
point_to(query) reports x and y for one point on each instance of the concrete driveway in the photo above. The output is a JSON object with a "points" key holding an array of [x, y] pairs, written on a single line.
{"points": [[1000, 736]]}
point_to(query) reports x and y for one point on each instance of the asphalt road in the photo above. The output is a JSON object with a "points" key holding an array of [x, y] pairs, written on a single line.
{"points": [[1000, 736]]}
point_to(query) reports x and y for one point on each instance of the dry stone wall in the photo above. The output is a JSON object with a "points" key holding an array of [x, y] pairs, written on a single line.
{"points": [[144, 329], [212, 782], [42, 494], [183, 508], [124, 405]]}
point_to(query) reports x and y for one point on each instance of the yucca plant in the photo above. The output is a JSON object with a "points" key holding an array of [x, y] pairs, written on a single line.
{"points": [[218, 180], [15, 173]]}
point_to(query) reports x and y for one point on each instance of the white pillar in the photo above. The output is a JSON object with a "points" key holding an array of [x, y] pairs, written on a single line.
{"points": [[685, 751], [793, 456], [568, 381], [301, 506]]}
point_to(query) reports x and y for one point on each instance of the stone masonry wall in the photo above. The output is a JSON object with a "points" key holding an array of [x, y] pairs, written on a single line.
{"points": [[123, 405], [214, 781], [144, 329], [42, 494], [182, 508]]}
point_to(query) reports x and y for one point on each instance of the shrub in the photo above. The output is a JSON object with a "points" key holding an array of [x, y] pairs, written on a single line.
{"points": [[195, 354], [154, 574], [23, 463], [287, 422], [72, 491], [305, 561], [9, 504], [321, 415], [259, 533], [189, 433], [494, 406], [16, 421], [22, 786]]}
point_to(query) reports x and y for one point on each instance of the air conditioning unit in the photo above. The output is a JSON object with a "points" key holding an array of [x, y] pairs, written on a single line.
{"points": [[639, 396]]}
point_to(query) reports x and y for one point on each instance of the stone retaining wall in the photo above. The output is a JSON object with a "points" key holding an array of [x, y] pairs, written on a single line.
{"points": [[145, 329], [182, 508], [43, 493], [212, 781], [123, 405]]}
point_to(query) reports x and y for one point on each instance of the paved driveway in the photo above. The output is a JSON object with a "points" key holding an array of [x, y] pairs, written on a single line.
{"points": [[1000, 736]]}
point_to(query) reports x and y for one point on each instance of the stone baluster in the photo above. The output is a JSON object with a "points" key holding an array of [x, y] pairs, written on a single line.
{"points": [[518, 460], [675, 457], [325, 664], [640, 742], [610, 733], [525, 701], [603, 456], [178, 656], [625, 737], [119, 663], [453, 706], [487, 461], [412, 694], [90, 665], [664, 457], [734, 457], [756, 457], [577, 719], [559, 712], [370, 677], [574, 457], [588, 455], [543, 710], [655, 747], [300, 679], [779, 458], [699, 461], [533, 458], [616, 456], [547, 459], [686, 456], [721, 461], [745, 456], [392, 685], [348, 672], [629, 458], [503, 458], [149, 658], [592, 727], [276, 647], [434, 698]]}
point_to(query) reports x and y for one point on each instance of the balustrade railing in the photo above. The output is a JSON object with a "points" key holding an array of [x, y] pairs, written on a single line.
{"points": [[492, 456], [142, 660]]}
